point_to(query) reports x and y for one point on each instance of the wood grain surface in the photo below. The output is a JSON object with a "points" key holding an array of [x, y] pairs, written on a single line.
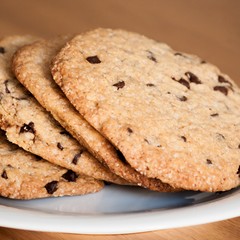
{"points": [[208, 28]]}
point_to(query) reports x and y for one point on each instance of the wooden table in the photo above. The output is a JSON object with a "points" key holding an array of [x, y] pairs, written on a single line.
{"points": [[210, 29]]}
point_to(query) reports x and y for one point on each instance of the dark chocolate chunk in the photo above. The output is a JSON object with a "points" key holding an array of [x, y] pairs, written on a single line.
{"points": [[76, 157], [119, 85], [184, 82], [238, 171], [6, 86], [183, 99], [203, 61], [130, 130], [151, 56], [2, 50], [59, 145], [193, 78], [209, 161], [214, 115], [51, 187], [221, 79], [70, 176], [150, 85], [93, 59], [184, 138], [221, 89], [121, 156], [4, 175], [239, 146], [27, 128]]}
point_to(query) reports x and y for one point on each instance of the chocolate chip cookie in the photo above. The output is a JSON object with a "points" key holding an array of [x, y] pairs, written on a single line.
{"points": [[171, 115]]}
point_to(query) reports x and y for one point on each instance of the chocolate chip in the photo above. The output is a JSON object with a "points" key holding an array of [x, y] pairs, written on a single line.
{"points": [[184, 82], [2, 50], [239, 146], [121, 156], [27, 128], [168, 93], [203, 62], [93, 59], [59, 145], [214, 115], [130, 130], [119, 85], [150, 85], [209, 161], [4, 174], [76, 157], [70, 176], [221, 79], [221, 89], [6, 86], [183, 98], [193, 78], [151, 56], [184, 138], [51, 187], [238, 171]]}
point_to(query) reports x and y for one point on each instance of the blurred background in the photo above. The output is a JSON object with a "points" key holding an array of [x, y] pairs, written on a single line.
{"points": [[208, 28]]}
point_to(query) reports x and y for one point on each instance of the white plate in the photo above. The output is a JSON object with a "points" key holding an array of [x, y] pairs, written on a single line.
{"points": [[119, 209]]}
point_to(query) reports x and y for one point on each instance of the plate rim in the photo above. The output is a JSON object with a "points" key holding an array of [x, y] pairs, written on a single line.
{"points": [[122, 223]]}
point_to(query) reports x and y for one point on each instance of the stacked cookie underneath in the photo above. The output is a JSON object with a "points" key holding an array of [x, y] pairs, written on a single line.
{"points": [[113, 106]]}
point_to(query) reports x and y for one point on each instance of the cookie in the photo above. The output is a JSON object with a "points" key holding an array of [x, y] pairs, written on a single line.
{"points": [[172, 115], [30, 126], [26, 176], [31, 66]]}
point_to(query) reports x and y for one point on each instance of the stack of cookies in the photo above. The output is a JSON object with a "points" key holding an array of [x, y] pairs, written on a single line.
{"points": [[113, 106]]}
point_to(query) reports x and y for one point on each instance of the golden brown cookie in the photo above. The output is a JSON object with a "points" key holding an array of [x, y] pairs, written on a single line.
{"points": [[26, 176], [31, 66], [172, 116], [30, 126]]}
